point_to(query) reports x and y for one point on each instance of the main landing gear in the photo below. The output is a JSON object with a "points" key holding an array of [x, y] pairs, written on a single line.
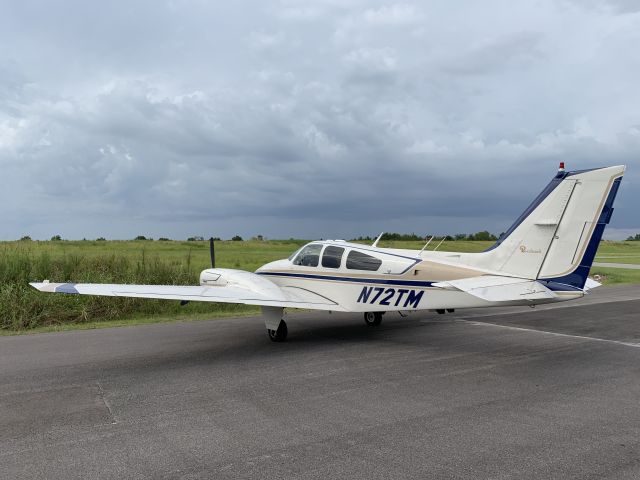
{"points": [[280, 334], [276, 326], [373, 319]]}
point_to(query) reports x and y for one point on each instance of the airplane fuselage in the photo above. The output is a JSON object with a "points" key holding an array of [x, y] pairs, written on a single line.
{"points": [[410, 287]]}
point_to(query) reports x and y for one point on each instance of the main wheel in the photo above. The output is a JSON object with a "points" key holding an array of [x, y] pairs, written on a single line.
{"points": [[373, 319], [279, 335]]}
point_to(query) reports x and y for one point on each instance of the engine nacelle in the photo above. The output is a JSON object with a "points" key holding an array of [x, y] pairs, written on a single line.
{"points": [[221, 277], [213, 277]]}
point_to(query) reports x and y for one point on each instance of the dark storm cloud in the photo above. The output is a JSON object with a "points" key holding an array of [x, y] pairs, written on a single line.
{"points": [[314, 119]]}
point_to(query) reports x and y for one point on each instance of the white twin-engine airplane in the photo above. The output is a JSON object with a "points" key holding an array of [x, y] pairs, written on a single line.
{"points": [[545, 256]]}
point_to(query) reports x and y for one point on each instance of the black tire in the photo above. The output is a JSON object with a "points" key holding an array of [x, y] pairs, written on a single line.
{"points": [[440, 311], [450, 310], [279, 335], [373, 319]]}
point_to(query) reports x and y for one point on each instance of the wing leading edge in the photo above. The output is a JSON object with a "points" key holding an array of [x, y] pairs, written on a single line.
{"points": [[274, 297]]}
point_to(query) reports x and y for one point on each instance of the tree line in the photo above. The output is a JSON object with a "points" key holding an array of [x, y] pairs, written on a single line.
{"points": [[484, 235], [481, 236]]}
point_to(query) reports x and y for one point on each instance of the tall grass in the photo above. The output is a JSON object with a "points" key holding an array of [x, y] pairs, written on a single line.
{"points": [[22, 307]]}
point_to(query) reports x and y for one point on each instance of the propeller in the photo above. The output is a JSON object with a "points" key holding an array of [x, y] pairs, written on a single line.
{"points": [[212, 253]]}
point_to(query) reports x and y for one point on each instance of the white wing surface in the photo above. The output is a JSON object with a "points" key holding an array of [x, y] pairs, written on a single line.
{"points": [[262, 292], [499, 289]]}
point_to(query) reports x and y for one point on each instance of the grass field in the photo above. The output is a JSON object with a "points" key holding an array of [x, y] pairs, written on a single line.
{"points": [[172, 262]]}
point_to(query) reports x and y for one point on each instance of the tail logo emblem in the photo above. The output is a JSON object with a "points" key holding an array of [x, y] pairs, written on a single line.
{"points": [[524, 249]]}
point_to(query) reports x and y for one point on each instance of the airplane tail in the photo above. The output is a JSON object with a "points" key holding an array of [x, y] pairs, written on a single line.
{"points": [[556, 238]]}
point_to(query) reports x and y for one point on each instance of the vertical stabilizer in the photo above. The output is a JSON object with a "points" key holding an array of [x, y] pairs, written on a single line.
{"points": [[557, 236]]}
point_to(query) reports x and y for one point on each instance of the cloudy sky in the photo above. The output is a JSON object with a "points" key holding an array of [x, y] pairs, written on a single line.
{"points": [[311, 118]]}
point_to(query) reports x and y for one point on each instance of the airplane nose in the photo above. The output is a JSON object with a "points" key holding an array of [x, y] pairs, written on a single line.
{"points": [[277, 265]]}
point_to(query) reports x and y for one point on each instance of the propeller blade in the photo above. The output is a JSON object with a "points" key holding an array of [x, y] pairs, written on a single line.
{"points": [[212, 252]]}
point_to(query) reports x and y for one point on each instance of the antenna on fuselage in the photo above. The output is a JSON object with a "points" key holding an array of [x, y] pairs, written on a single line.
{"points": [[439, 244], [426, 244], [375, 243]]}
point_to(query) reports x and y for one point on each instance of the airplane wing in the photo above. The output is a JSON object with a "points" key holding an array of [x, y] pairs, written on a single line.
{"points": [[495, 288], [262, 294]]}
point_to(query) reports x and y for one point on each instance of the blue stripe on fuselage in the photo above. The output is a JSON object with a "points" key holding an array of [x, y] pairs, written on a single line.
{"points": [[558, 287]]}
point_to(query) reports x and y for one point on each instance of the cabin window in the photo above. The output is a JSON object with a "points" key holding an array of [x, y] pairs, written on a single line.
{"points": [[309, 256], [361, 261], [332, 256]]}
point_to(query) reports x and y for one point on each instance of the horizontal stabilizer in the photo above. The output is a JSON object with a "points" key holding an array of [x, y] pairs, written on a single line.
{"points": [[591, 283], [499, 289]]}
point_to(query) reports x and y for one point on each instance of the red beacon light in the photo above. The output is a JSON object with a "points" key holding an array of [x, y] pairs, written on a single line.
{"points": [[561, 168]]}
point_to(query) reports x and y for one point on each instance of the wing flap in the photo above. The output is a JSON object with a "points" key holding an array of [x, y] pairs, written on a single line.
{"points": [[499, 289]]}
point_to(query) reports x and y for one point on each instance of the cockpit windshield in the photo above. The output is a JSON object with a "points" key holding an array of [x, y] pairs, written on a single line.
{"points": [[293, 255], [309, 255]]}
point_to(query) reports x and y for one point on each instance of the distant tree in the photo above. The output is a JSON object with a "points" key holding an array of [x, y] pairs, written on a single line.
{"points": [[195, 239], [101, 239], [634, 238], [258, 238], [236, 238], [401, 236], [460, 236], [56, 238], [26, 238], [164, 239], [142, 237], [482, 236], [217, 239], [448, 238], [359, 239]]}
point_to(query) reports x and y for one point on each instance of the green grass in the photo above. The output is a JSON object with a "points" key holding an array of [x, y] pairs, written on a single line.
{"points": [[142, 262], [616, 276], [619, 252], [22, 308]]}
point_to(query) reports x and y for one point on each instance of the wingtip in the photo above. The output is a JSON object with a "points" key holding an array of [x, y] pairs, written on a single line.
{"points": [[46, 286]]}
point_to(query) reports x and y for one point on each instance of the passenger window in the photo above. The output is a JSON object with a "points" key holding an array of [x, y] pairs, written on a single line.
{"points": [[361, 261], [332, 256], [309, 256]]}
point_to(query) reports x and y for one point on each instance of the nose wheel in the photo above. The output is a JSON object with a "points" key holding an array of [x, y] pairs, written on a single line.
{"points": [[279, 335], [373, 319]]}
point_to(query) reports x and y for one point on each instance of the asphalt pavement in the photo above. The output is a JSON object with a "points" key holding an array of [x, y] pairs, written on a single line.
{"points": [[631, 266], [551, 392]]}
